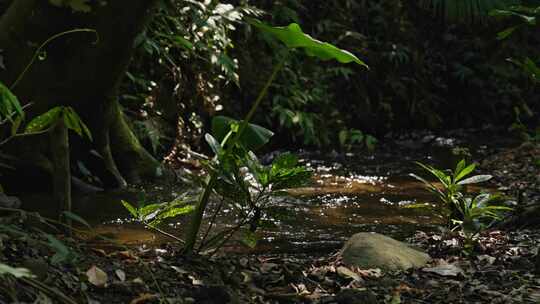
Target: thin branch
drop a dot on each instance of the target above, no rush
(9, 116)
(5, 141)
(43, 45)
(212, 222)
(165, 233)
(228, 237)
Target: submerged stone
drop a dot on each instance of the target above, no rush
(372, 250)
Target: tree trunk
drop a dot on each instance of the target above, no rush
(81, 71)
(62, 171)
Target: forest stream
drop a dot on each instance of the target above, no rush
(350, 193)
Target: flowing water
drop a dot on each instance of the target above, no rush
(350, 193)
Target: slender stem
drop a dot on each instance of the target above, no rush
(5, 141)
(242, 222)
(196, 220)
(228, 237)
(212, 222)
(258, 101)
(165, 233)
(195, 225)
(44, 44)
(9, 116)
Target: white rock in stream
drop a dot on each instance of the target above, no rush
(372, 250)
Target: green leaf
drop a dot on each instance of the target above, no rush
(343, 136)
(464, 172)
(62, 252)
(290, 178)
(425, 182)
(76, 218)
(519, 12)
(176, 211)
(44, 121)
(9, 104)
(213, 143)
(16, 272)
(131, 209)
(475, 179)
(250, 239)
(357, 136)
(70, 122)
(74, 122)
(371, 142)
(260, 172)
(254, 136)
(293, 37)
(147, 211)
(183, 42)
(231, 191)
(459, 167)
(443, 178)
(507, 32)
(284, 161)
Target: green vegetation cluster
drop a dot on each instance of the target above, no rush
(433, 65)
(429, 68)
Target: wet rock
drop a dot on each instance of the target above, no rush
(354, 296)
(373, 250)
(9, 201)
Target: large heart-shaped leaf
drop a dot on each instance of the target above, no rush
(253, 137)
(293, 37)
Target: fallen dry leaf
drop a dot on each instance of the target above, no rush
(195, 281)
(347, 273)
(120, 274)
(96, 276)
(369, 273)
(179, 269)
(100, 252)
(445, 270)
(126, 255)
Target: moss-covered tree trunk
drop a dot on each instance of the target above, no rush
(79, 70)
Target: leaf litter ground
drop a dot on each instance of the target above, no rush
(503, 268)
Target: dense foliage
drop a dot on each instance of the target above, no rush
(182, 94)
(427, 71)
